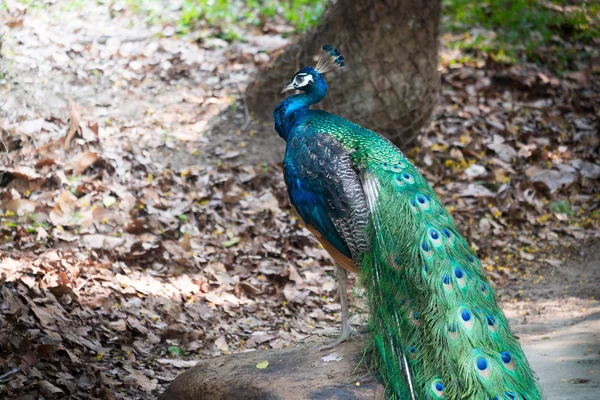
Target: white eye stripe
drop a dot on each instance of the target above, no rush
(303, 80)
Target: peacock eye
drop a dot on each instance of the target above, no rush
(299, 80)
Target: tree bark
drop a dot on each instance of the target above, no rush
(390, 81)
(302, 372)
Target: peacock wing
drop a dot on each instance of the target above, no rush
(326, 192)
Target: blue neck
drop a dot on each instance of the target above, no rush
(291, 110)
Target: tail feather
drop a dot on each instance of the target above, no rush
(437, 323)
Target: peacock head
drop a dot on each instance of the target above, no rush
(310, 79)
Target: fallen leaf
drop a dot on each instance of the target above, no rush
(48, 389)
(262, 364)
(221, 344)
(333, 357)
(504, 151)
(474, 190)
(176, 351)
(258, 338)
(31, 127)
(20, 206)
(109, 201)
(83, 161)
(587, 169)
(142, 381)
(231, 242)
(177, 363)
(553, 180)
(97, 241)
(475, 170)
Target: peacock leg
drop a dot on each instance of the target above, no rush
(347, 331)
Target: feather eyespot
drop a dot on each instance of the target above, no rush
(447, 282)
(448, 235)
(414, 317)
(437, 387)
(397, 167)
(510, 395)
(399, 181)
(435, 237)
(408, 178)
(427, 250)
(452, 331)
(508, 360)
(491, 323)
(484, 289)
(425, 269)
(482, 366)
(423, 203)
(413, 351)
(460, 277)
(413, 205)
(466, 317)
(395, 262)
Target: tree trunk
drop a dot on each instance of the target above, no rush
(390, 81)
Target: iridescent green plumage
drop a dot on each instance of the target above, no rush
(436, 324)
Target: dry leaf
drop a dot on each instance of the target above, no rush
(83, 161)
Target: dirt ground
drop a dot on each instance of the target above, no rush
(558, 323)
(166, 240)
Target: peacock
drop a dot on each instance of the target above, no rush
(436, 327)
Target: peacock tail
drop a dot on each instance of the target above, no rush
(437, 328)
(433, 311)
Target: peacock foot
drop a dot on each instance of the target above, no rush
(347, 333)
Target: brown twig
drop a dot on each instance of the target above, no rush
(9, 373)
(246, 111)
(74, 127)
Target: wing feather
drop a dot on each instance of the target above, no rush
(326, 191)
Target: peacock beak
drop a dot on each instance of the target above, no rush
(290, 86)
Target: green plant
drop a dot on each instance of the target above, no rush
(222, 14)
(527, 29)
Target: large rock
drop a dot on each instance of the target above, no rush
(300, 372)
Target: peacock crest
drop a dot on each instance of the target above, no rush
(330, 58)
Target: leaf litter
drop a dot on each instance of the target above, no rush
(120, 268)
